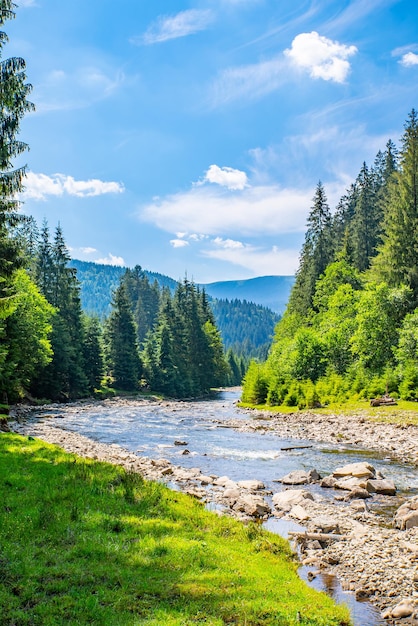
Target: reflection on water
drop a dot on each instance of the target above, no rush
(151, 429)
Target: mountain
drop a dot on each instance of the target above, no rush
(269, 291)
(241, 308)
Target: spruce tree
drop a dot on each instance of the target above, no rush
(14, 104)
(316, 253)
(123, 360)
(397, 262)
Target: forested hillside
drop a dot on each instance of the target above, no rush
(351, 326)
(271, 292)
(245, 327)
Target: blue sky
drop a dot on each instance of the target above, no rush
(189, 136)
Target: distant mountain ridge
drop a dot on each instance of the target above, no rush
(269, 291)
(241, 308)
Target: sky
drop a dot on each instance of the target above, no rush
(189, 136)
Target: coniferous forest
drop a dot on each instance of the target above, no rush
(350, 330)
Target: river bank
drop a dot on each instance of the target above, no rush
(370, 557)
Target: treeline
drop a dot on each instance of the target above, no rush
(351, 326)
(152, 339)
(246, 328)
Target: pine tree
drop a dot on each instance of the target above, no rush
(366, 222)
(93, 352)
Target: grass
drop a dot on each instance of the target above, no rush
(84, 542)
(404, 413)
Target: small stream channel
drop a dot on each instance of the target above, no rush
(151, 430)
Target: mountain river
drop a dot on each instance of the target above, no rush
(150, 429)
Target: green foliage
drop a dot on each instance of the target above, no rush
(349, 330)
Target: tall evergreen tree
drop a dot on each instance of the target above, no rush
(365, 227)
(64, 377)
(397, 261)
(14, 104)
(316, 253)
(93, 352)
(121, 346)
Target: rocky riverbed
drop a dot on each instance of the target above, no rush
(351, 534)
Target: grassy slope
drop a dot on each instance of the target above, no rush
(84, 542)
(404, 413)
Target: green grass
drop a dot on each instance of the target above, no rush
(404, 413)
(83, 542)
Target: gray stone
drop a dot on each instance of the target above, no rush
(405, 608)
(328, 482)
(285, 500)
(253, 506)
(297, 477)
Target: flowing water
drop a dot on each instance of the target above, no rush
(151, 430)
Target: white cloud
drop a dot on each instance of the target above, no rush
(111, 259)
(179, 243)
(260, 261)
(175, 26)
(226, 177)
(39, 186)
(249, 81)
(227, 244)
(409, 59)
(88, 250)
(213, 211)
(322, 57)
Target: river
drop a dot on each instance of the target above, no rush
(151, 429)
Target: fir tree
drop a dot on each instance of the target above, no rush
(121, 346)
(397, 262)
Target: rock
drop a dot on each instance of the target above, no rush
(185, 452)
(251, 485)
(358, 470)
(358, 505)
(206, 480)
(325, 525)
(349, 483)
(299, 513)
(232, 495)
(253, 506)
(406, 516)
(405, 608)
(358, 493)
(221, 481)
(287, 499)
(384, 487)
(300, 477)
(180, 443)
(297, 477)
(328, 482)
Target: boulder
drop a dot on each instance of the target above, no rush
(358, 493)
(300, 477)
(328, 482)
(251, 485)
(384, 487)
(405, 608)
(349, 482)
(406, 516)
(358, 470)
(253, 506)
(299, 513)
(285, 500)
(297, 477)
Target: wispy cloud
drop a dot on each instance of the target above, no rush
(212, 211)
(409, 59)
(63, 90)
(249, 81)
(321, 57)
(172, 27)
(356, 12)
(226, 177)
(27, 3)
(39, 186)
(260, 261)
